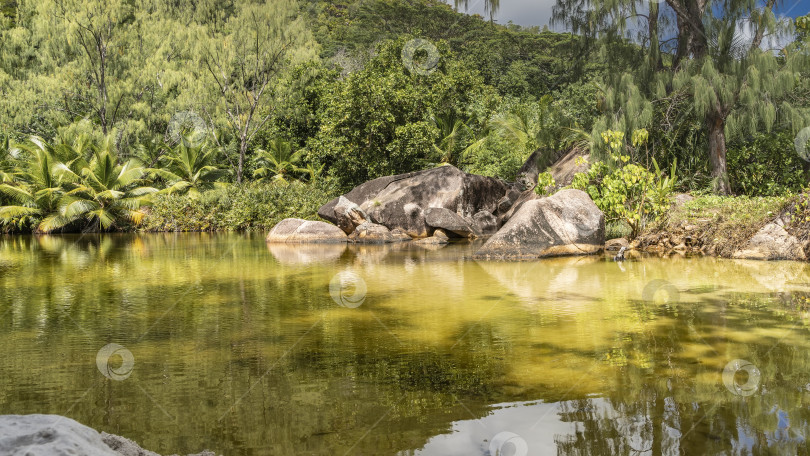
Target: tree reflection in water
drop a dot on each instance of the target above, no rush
(240, 348)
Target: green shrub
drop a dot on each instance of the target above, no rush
(767, 166)
(630, 193)
(545, 184)
(247, 207)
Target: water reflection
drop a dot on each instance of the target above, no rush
(239, 347)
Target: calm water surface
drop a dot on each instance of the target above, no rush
(229, 345)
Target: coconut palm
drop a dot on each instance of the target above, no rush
(190, 170)
(101, 196)
(279, 163)
(33, 190)
(451, 131)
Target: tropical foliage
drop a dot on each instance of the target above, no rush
(108, 107)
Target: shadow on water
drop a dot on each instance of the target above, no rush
(251, 349)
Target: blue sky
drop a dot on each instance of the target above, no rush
(538, 12)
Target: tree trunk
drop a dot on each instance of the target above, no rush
(717, 153)
(242, 151)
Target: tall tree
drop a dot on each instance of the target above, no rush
(246, 60)
(714, 55)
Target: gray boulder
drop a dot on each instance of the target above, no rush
(49, 435)
(348, 215)
(771, 242)
(485, 223)
(400, 234)
(372, 233)
(567, 223)
(126, 447)
(439, 217)
(299, 230)
(359, 194)
(54, 435)
(402, 201)
(566, 167)
(439, 238)
(505, 203)
(528, 195)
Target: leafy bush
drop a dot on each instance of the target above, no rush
(767, 166)
(256, 206)
(545, 184)
(629, 193)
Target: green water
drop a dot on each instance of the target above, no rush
(241, 349)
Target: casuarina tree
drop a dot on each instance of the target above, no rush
(732, 63)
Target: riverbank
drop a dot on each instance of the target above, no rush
(766, 228)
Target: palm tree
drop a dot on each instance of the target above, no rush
(63, 185)
(34, 190)
(190, 170)
(102, 195)
(451, 131)
(279, 163)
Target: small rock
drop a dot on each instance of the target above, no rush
(371, 233)
(772, 242)
(441, 234)
(349, 215)
(433, 240)
(400, 234)
(616, 244)
(439, 217)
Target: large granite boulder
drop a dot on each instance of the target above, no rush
(439, 217)
(567, 223)
(402, 201)
(49, 435)
(359, 194)
(304, 231)
(772, 242)
(567, 166)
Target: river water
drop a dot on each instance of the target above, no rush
(190, 341)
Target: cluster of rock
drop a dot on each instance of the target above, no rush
(771, 242)
(435, 205)
(54, 435)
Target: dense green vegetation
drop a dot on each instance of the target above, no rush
(108, 108)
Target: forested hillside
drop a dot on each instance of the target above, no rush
(110, 108)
